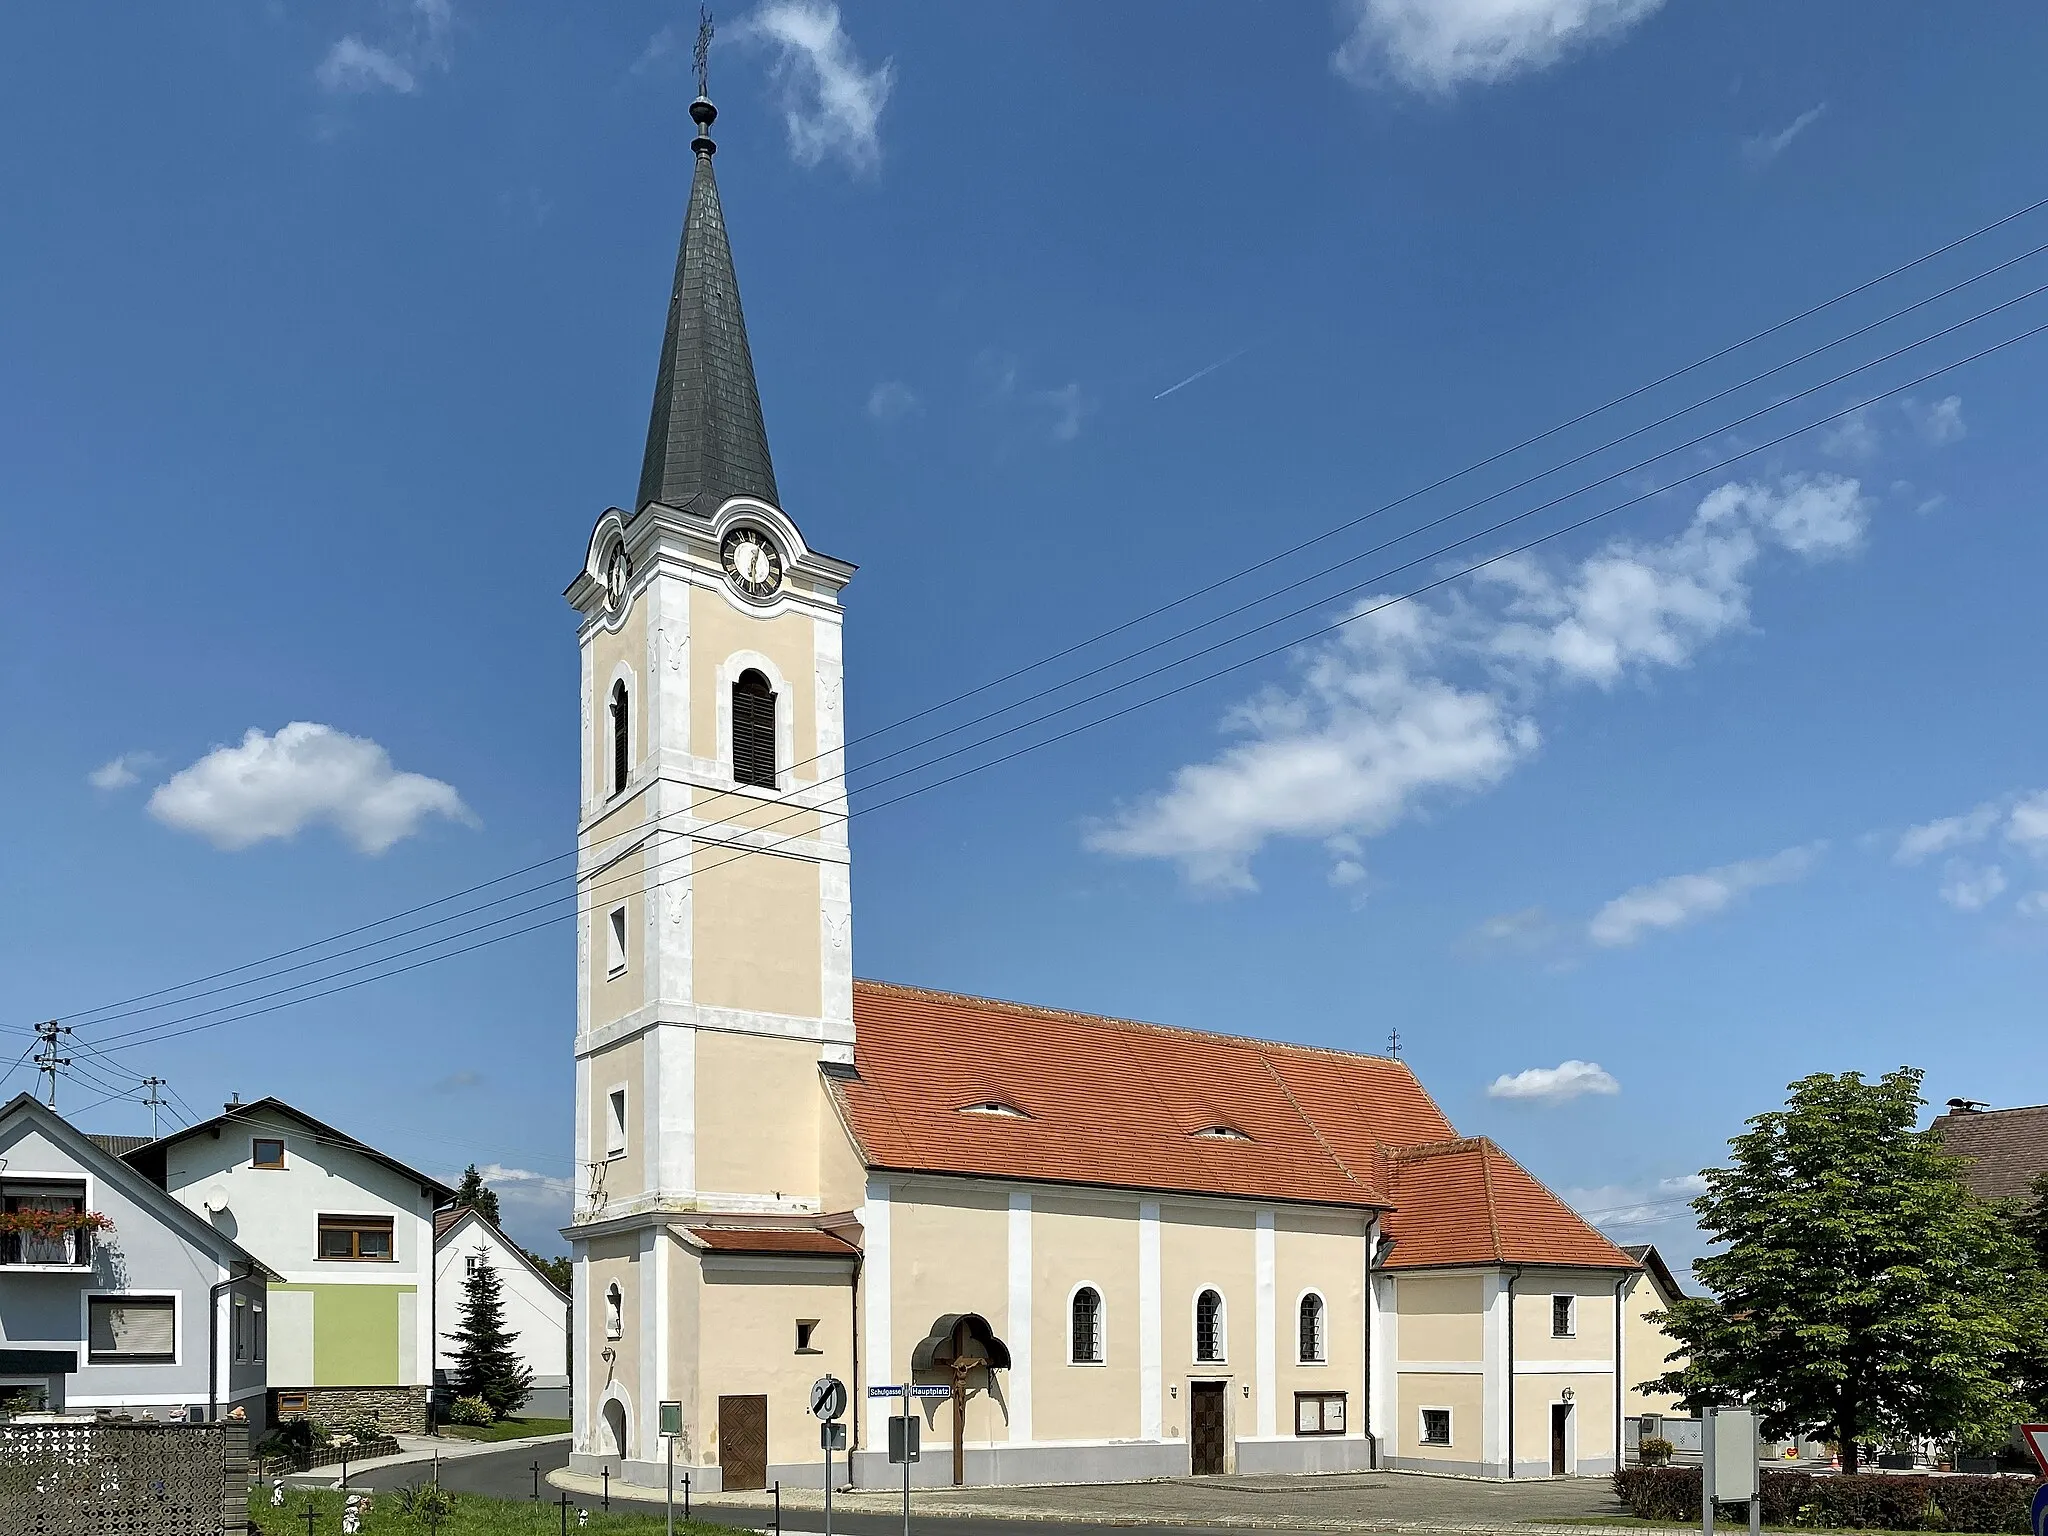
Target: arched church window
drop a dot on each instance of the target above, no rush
(1087, 1326)
(614, 1311)
(1209, 1327)
(1315, 1342)
(621, 737)
(753, 730)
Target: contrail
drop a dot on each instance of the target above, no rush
(1202, 373)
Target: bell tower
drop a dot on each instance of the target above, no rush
(713, 928)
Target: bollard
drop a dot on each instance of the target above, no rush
(536, 1482)
(778, 1507)
(607, 1471)
(686, 1495)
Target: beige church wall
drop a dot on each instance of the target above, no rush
(949, 1246)
(749, 1317)
(1592, 1429)
(1464, 1394)
(617, 1065)
(842, 1173)
(613, 997)
(741, 1150)
(1593, 1336)
(788, 823)
(755, 935)
(685, 1382)
(624, 817)
(613, 1259)
(1442, 1317)
(1314, 1250)
(607, 650)
(1207, 1246)
(717, 630)
(1644, 1346)
(1081, 1240)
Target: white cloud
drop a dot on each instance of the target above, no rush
(272, 786)
(1681, 899)
(1069, 405)
(1854, 437)
(124, 772)
(660, 48)
(2027, 826)
(2033, 904)
(892, 401)
(1939, 422)
(1437, 45)
(1971, 888)
(354, 67)
(1560, 1084)
(1933, 837)
(524, 1183)
(1619, 1206)
(1762, 148)
(831, 103)
(1412, 702)
(1528, 930)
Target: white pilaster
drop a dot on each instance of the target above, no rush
(1018, 1326)
(1151, 1382)
(883, 1367)
(579, 1348)
(1374, 1420)
(1494, 1364)
(1386, 1352)
(653, 1326)
(1266, 1323)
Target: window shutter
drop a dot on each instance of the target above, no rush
(129, 1328)
(753, 731)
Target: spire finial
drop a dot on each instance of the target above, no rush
(702, 113)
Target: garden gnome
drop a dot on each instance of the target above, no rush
(352, 1515)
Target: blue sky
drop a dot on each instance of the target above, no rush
(327, 331)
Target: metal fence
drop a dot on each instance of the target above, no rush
(87, 1478)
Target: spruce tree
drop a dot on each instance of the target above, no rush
(486, 1365)
(478, 1196)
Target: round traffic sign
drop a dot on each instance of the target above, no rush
(828, 1398)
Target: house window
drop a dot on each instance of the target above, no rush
(615, 1129)
(291, 1402)
(62, 1249)
(806, 1331)
(241, 1329)
(259, 1332)
(1564, 1321)
(1209, 1328)
(621, 737)
(615, 942)
(614, 1311)
(365, 1239)
(469, 1263)
(1087, 1333)
(1319, 1413)
(133, 1330)
(753, 730)
(266, 1152)
(1436, 1426)
(1314, 1331)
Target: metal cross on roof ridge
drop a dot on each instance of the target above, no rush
(704, 31)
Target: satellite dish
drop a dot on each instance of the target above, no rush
(215, 1199)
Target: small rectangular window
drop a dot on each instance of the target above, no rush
(363, 1239)
(266, 1152)
(291, 1402)
(615, 1132)
(1563, 1322)
(615, 942)
(1436, 1426)
(1319, 1413)
(241, 1330)
(260, 1334)
(133, 1330)
(806, 1331)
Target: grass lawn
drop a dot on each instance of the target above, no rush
(1736, 1525)
(505, 1429)
(474, 1515)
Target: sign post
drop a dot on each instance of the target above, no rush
(828, 1402)
(671, 1422)
(2036, 1436)
(906, 1432)
(1728, 1470)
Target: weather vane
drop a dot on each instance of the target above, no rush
(704, 31)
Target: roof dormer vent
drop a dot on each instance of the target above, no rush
(1222, 1133)
(1000, 1108)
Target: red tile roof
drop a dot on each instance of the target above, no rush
(773, 1240)
(1112, 1102)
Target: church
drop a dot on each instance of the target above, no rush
(1111, 1249)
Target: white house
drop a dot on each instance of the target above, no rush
(536, 1310)
(348, 1231)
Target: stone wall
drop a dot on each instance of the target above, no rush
(402, 1410)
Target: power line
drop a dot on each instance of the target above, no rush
(1240, 574)
(828, 814)
(163, 1031)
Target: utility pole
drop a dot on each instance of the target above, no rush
(47, 1061)
(154, 1103)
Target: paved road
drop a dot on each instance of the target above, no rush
(502, 1474)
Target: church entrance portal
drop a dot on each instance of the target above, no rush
(615, 1429)
(1205, 1428)
(742, 1442)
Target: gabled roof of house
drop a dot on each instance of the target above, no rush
(447, 1222)
(150, 1156)
(105, 1165)
(2007, 1148)
(944, 1083)
(1646, 1254)
(120, 1146)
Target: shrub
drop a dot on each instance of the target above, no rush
(1985, 1503)
(1869, 1501)
(363, 1426)
(426, 1501)
(470, 1410)
(1660, 1493)
(1655, 1451)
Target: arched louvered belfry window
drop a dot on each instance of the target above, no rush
(622, 736)
(1087, 1326)
(1209, 1327)
(753, 730)
(1315, 1344)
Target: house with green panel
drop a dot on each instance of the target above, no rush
(349, 1233)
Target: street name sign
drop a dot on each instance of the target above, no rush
(919, 1389)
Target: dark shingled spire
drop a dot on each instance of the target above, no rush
(706, 439)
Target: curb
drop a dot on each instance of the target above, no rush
(330, 1477)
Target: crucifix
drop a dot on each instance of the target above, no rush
(964, 1365)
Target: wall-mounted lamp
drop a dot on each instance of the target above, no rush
(610, 1355)
(1567, 1394)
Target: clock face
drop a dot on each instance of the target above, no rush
(751, 562)
(616, 572)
